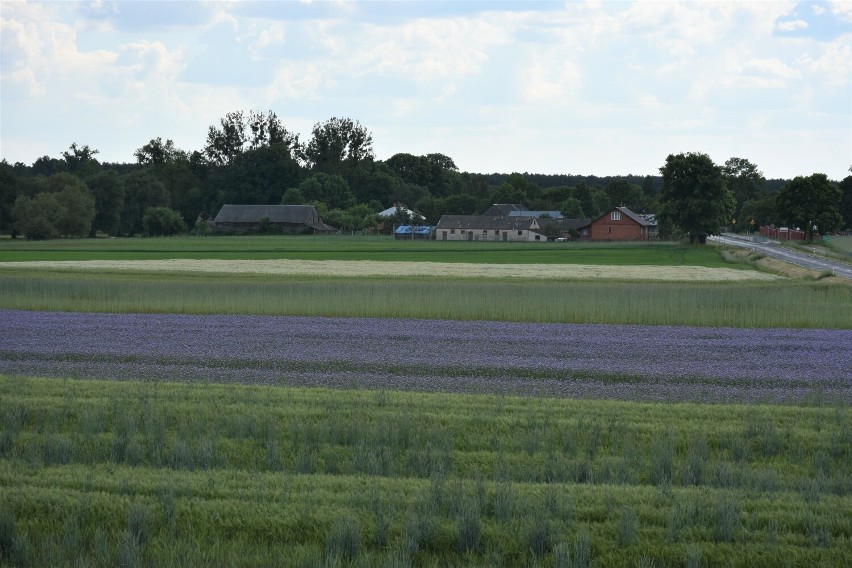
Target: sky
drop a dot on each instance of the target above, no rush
(580, 88)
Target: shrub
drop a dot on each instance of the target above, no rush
(162, 221)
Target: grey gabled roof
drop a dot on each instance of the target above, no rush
(503, 209)
(539, 214)
(576, 224)
(305, 214)
(487, 222)
(642, 221)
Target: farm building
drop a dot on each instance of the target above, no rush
(291, 219)
(488, 228)
(622, 224)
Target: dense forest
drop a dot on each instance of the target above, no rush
(251, 158)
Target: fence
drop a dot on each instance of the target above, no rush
(783, 233)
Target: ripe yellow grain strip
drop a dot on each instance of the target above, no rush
(369, 268)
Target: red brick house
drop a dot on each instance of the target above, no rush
(622, 224)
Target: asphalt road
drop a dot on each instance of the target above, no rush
(772, 249)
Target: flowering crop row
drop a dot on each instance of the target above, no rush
(628, 362)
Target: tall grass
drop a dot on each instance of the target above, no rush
(482, 500)
(782, 304)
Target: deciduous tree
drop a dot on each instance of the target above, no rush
(162, 222)
(238, 132)
(8, 194)
(744, 181)
(142, 190)
(65, 207)
(158, 152)
(108, 191)
(81, 160)
(811, 203)
(36, 217)
(695, 196)
(846, 201)
(337, 141)
(330, 189)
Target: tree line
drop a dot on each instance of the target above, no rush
(252, 158)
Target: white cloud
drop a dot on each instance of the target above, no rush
(834, 64)
(38, 51)
(425, 50)
(792, 25)
(641, 80)
(551, 79)
(270, 35)
(299, 81)
(773, 67)
(842, 9)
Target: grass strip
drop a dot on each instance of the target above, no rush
(741, 304)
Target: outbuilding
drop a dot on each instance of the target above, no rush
(487, 228)
(291, 219)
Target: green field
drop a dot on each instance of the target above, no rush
(740, 304)
(134, 474)
(360, 248)
(124, 473)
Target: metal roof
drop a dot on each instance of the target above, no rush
(304, 214)
(551, 214)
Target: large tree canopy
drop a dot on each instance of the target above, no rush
(238, 132)
(338, 140)
(250, 158)
(108, 191)
(332, 190)
(744, 180)
(81, 160)
(158, 152)
(64, 207)
(811, 203)
(846, 201)
(695, 196)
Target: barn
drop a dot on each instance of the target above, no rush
(291, 219)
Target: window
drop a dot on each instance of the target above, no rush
(463, 231)
(484, 231)
(609, 230)
(615, 216)
(520, 233)
(452, 231)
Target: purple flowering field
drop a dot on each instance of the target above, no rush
(626, 362)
